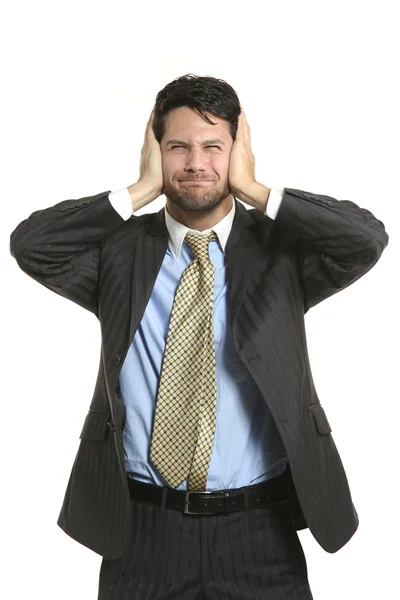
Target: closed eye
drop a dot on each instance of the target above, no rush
(172, 147)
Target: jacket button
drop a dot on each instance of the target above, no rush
(117, 359)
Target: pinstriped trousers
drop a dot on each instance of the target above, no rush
(244, 555)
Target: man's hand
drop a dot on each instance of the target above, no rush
(241, 174)
(151, 180)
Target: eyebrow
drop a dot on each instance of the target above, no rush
(205, 142)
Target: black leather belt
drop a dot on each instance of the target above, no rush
(260, 495)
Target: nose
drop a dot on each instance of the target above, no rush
(195, 161)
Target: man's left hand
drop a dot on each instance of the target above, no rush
(241, 174)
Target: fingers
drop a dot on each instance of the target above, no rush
(243, 133)
(150, 121)
(149, 127)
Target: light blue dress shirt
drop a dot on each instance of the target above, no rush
(247, 447)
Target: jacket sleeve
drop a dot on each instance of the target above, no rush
(60, 246)
(338, 241)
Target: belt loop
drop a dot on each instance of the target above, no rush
(246, 499)
(163, 499)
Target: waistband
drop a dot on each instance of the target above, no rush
(271, 491)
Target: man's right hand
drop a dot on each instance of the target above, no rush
(150, 183)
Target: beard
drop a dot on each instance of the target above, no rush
(197, 198)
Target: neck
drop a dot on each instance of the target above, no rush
(200, 220)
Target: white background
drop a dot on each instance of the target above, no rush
(319, 85)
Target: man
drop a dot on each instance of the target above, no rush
(206, 446)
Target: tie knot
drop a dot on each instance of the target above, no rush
(199, 244)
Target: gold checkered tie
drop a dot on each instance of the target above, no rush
(186, 410)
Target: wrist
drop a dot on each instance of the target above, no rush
(141, 193)
(256, 195)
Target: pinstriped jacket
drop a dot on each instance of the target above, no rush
(278, 269)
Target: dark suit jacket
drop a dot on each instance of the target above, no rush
(277, 269)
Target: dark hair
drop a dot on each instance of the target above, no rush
(203, 94)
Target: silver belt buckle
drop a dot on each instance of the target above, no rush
(186, 510)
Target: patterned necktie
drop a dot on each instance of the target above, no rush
(186, 409)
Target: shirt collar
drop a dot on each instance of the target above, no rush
(177, 231)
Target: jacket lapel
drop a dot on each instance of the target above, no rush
(242, 254)
(149, 254)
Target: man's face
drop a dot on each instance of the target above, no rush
(194, 154)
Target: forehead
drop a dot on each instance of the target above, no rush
(186, 123)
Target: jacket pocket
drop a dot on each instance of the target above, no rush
(95, 427)
(320, 419)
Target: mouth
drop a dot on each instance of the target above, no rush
(196, 181)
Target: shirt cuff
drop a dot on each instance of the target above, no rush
(121, 202)
(273, 203)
